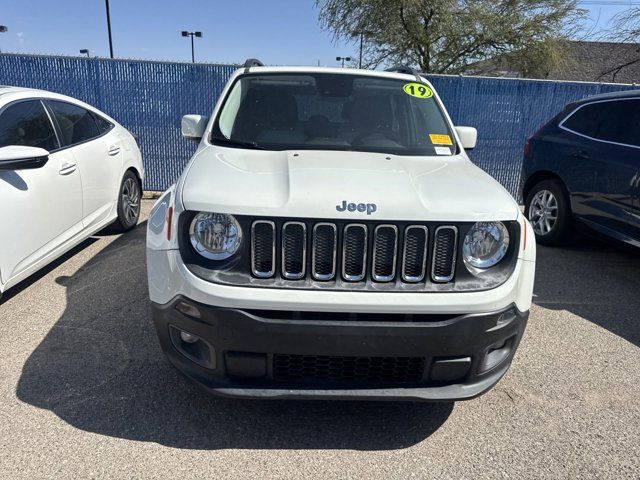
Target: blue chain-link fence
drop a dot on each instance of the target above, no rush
(149, 98)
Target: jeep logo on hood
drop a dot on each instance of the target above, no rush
(360, 207)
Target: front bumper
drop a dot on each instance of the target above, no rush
(239, 352)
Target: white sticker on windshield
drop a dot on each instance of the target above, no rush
(443, 150)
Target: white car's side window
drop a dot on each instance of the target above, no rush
(76, 124)
(26, 123)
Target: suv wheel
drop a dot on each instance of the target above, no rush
(128, 203)
(547, 208)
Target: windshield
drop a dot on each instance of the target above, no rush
(331, 111)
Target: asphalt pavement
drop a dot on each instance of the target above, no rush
(85, 391)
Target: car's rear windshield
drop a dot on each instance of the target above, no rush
(332, 111)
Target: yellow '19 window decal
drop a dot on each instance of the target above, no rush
(417, 90)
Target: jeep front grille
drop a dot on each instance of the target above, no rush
(444, 254)
(385, 253)
(324, 255)
(352, 252)
(414, 255)
(263, 248)
(294, 250)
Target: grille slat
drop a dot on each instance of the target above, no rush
(354, 252)
(444, 254)
(414, 255)
(353, 369)
(323, 257)
(294, 250)
(263, 248)
(345, 248)
(385, 253)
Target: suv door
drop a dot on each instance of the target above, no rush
(99, 159)
(605, 155)
(41, 208)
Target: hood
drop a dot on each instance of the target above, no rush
(323, 184)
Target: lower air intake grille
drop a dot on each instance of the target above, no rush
(365, 369)
(444, 254)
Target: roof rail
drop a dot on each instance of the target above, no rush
(252, 62)
(405, 69)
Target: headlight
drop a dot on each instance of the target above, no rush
(485, 244)
(216, 236)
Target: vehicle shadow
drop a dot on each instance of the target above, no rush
(594, 279)
(34, 277)
(100, 369)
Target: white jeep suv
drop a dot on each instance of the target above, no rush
(331, 239)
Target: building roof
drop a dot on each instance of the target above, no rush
(607, 62)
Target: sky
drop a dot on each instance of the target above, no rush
(278, 32)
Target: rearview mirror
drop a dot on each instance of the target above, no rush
(193, 126)
(468, 137)
(18, 157)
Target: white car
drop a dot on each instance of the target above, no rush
(331, 239)
(67, 171)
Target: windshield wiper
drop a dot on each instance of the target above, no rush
(236, 143)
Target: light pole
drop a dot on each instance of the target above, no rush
(3, 29)
(359, 34)
(192, 34)
(338, 59)
(84, 51)
(109, 28)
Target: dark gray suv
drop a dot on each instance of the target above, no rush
(584, 165)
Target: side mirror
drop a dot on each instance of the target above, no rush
(468, 137)
(193, 126)
(17, 157)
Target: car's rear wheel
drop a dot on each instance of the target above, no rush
(128, 203)
(547, 208)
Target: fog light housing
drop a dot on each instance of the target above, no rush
(496, 355)
(193, 347)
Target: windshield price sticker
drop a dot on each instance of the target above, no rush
(417, 90)
(438, 139)
(442, 150)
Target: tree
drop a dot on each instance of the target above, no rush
(446, 36)
(626, 26)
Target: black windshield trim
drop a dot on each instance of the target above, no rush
(227, 142)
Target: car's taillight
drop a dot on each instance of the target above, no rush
(527, 146)
(169, 221)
